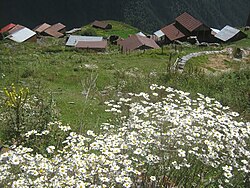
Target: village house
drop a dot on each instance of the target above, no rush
(137, 42)
(74, 39)
(190, 26)
(230, 34)
(15, 29)
(23, 35)
(92, 45)
(57, 30)
(101, 25)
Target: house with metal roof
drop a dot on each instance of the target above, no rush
(74, 39)
(137, 42)
(230, 34)
(191, 26)
(57, 30)
(101, 25)
(92, 45)
(23, 35)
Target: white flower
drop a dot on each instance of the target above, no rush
(50, 149)
(152, 178)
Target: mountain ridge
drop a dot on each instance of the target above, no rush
(147, 15)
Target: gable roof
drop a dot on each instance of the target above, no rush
(172, 33)
(55, 29)
(22, 35)
(7, 28)
(136, 41)
(100, 24)
(227, 33)
(188, 21)
(73, 39)
(16, 28)
(92, 44)
(41, 28)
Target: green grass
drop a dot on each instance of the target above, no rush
(118, 28)
(56, 70)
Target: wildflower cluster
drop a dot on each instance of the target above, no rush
(160, 138)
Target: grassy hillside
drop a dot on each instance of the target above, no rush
(118, 28)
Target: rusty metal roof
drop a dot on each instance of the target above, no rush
(172, 33)
(16, 28)
(188, 21)
(7, 27)
(92, 44)
(100, 24)
(41, 28)
(135, 41)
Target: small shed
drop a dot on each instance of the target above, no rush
(23, 35)
(92, 45)
(101, 25)
(74, 39)
(137, 42)
(41, 28)
(230, 34)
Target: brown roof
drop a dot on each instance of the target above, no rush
(53, 33)
(172, 33)
(55, 29)
(92, 44)
(16, 28)
(100, 24)
(135, 41)
(41, 28)
(188, 21)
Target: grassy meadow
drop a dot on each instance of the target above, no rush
(80, 83)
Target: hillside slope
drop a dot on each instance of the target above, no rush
(148, 15)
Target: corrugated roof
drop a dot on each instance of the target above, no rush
(135, 41)
(92, 44)
(188, 21)
(227, 33)
(41, 28)
(73, 39)
(22, 35)
(159, 34)
(100, 24)
(172, 33)
(7, 27)
(16, 28)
